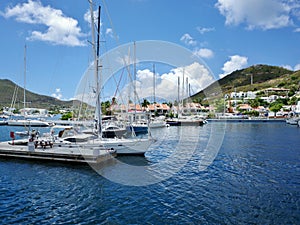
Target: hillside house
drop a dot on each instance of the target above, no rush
(243, 95)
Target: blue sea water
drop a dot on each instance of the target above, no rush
(254, 179)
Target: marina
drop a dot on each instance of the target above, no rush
(100, 131)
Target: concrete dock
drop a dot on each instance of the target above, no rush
(75, 154)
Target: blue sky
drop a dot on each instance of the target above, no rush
(226, 34)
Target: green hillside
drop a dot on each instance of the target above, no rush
(7, 89)
(263, 76)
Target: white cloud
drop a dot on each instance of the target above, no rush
(61, 30)
(188, 40)
(289, 67)
(87, 17)
(264, 14)
(236, 62)
(198, 75)
(57, 94)
(297, 29)
(204, 53)
(297, 67)
(203, 30)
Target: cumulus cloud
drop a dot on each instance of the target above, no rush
(57, 93)
(289, 67)
(236, 62)
(166, 88)
(87, 17)
(61, 30)
(203, 30)
(266, 14)
(297, 67)
(188, 40)
(204, 53)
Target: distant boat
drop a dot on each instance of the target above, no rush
(3, 122)
(138, 127)
(22, 133)
(109, 130)
(157, 123)
(185, 122)
(293, 120)
(27, 122)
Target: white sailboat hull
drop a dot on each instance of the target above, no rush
(157, 124)
(137, 147)
(126, 146)
(34, 123)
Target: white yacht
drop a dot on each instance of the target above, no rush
(27, 122)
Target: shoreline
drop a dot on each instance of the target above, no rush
(258, 120)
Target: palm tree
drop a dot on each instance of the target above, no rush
(145, 104)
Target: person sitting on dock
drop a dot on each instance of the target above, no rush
(33, 135)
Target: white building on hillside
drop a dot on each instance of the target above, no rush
(242, 95)
(297, 108)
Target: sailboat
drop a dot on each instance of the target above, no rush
(26, 122)
(184, 120)
(154, 122)
(122, 146)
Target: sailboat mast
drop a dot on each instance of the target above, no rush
(154, 84)
(182, 90)
(134, 77)
(100, 77)
(24, 95)
(98, 32)
(178, 95)
(96, 69)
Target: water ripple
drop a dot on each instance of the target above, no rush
(255, 179)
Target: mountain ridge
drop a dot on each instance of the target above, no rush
(8, 87)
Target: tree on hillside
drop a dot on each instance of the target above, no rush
(275, 107)
(67, 116)
(293, 100)
(254, 103)
(220, 105)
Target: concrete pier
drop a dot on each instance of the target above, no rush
(75, 154)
